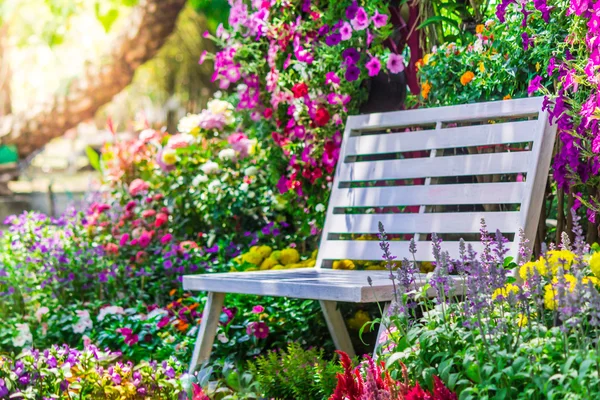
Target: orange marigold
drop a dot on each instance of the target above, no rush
(479, 28)
(467, 77)
(419, 63)
(425, 89)
(507, 97)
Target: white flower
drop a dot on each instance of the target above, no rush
(209, 167)
(320, 208)
(200, 178)
(147, 134)
(214, 185)
(478, 46)
(251, 195)
(216, 106)
(111, 310)
(157, 312)
(84, 321)
(244, 187)
(227, 154)
(24, 335)
(188, 123)
(251, 171)
(222, 338)
(41, 312)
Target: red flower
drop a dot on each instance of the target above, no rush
(268, 113)
(258, 329)
(322, 117)
(161, 219)
(300, 90)
(111, 248)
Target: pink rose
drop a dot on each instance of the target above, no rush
(138, 186)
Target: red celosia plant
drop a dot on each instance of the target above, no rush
(378, 385)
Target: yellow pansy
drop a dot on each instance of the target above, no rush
(289, 256)
(595, 264)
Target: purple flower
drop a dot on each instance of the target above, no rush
(350, 56)
(395, 63)
(361, 21)
(331, 77)
(379, 20)
(534, 85)
(333, 39)
(352, 10)
(578, 7)
(373, 66)
(346, 31)
(527, 41)
(352, 73)
(551, 65)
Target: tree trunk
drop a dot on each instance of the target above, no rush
(147, 28)
(5, 98)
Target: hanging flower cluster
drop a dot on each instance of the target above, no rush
(297, 67)
(573, 103)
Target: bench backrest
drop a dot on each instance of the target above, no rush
(438, 170)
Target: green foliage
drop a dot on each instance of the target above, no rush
(294, 373)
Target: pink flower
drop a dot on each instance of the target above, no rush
(148, 213)
(361, 20)
(161, 219)
(144, 239)
(258, 309)
(331, 77)
(166, 238)
(379, 20)
(346, 31)
(138, 186)
(258, 329)
(202, 57)
(124, 239)
(179, 141)
(130, 338)
(395, 63)
(163, 322)
(373, 66)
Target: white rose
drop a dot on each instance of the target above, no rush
(213, 186)
(227, 154)
(188, 123)
(200, 178)
(244, 187)
(251, 171)
(209, 167)
(320, 207)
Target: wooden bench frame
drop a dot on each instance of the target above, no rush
(521, 121)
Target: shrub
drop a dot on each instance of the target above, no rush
(294, 373)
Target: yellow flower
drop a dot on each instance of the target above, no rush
(426, 59)
(375, 267)
(527, 270)
(522, 320)
(560, 258)
(507, 97)
(537, 66)
(344, 264)
(505, 291)
(549, 297)
(169, 157)
(481, 67)
(314, 254)
(426, 267)
(252, 257)
(264, 251)
(278, 266)
(358, 320)
(308, 263)
(289, 256)
(466, 78)
(595, 264)
(275, 255)
(591, 279)
(268, 263)
(479, 28)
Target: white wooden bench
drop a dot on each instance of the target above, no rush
(444, 206)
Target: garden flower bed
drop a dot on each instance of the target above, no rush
(91, 304)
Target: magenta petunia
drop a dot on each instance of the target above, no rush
(257, 309)
(373, 66)
(379, 20)
(534, 85)
(395, 63)
(331, 77)
(361, 20)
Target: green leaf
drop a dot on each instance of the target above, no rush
(94, 158)
(106, 19)
(438, 19)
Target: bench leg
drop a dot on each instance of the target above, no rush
(385, 324)
(337, 327)
(207, 330)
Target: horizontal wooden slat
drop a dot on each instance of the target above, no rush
(477, 164)
(463, 193)
(370, 250)
(310, 283)
(424, 116)
(466, 222)
(510, 132)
